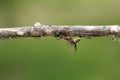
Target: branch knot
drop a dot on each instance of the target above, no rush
(36, 30)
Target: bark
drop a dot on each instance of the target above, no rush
(40, 30)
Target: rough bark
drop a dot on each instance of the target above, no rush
(40, 30)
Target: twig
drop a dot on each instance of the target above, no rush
(40, 30)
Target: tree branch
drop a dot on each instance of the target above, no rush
(40, 30)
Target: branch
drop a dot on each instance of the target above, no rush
(40, 30)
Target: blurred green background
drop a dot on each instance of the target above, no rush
(51, 59)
